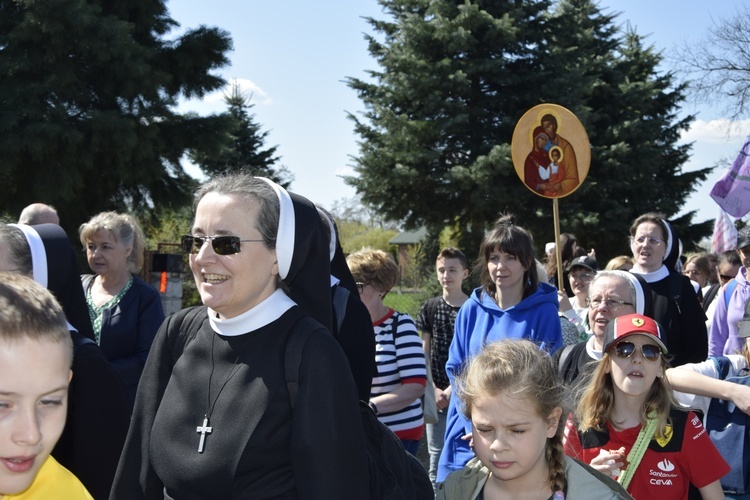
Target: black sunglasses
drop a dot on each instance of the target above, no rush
(222, 245)
(626, 349)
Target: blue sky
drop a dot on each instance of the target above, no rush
(294, 56)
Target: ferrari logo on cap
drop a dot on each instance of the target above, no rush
(638, 322)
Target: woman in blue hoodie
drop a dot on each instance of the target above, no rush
(511, 303)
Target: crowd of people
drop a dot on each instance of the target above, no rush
(588, 381)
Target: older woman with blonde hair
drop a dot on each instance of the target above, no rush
(401, 374)
(125, 311)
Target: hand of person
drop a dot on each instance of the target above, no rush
(741, 397)
(470, 438)
(592, 254)
(565, 304)
(609, 461)
(442, 399)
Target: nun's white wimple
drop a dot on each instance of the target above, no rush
(285, 233)
(640, 299)
(670, 237)
(38, 254)
(332, 239)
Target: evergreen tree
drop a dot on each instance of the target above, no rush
(455, 78)
(88, 91)
(242, 147)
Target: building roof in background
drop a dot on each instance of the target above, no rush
(409, 237)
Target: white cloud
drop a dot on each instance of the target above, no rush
(214, 102)
(719, 131)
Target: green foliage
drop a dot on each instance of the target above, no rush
(355, 235)
(242, 145)
(88, 91)
(455, 76)
(406, 302)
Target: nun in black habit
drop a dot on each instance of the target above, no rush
(354, 334)
(213, 416)
(98, 414)
(655, 247)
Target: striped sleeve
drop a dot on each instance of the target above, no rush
(400, 360)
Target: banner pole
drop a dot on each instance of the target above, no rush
(558, 249)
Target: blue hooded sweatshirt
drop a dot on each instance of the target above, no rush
(480, 321)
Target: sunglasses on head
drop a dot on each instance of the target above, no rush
(222, 245)
(650, 352)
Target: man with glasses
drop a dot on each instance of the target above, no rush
(611, 294)
(723, 338)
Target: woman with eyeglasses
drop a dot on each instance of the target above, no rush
(627, 423)
(611, 294)
(655, 249)
(223, 409)
(125, 311)
(400, 363)
(510, 303)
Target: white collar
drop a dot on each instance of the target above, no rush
(654, 276)
(268, 311)
(591, 351)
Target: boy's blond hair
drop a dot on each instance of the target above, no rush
(30, 311)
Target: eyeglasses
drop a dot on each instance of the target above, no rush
(650, 352)
(725, 277)
(643, 239)
(360, 286)
(691, 272)
(611, 304)
(582, 276)
(222, 245)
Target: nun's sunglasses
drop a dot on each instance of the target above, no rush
(222, 245)
(626, 349)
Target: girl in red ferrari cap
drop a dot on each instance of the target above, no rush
(628, 425)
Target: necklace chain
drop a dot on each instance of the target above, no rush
(205, 429)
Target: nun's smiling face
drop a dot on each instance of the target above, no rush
(232, 284)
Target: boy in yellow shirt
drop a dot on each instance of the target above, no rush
(35, 359)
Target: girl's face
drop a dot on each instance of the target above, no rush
(510, 439)
(695, 274)
(633, 376)
(541, 141)
(506, 272)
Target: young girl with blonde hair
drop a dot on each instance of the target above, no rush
(510, 393)
(629, 426)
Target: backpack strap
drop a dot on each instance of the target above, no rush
(564, 355)
(729, 290)
(292, 361)
(675, 289)
(196, 314)
(340, 299)
(722, 365)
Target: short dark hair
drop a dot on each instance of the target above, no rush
(453, 253)
(730, 257)
(19, 251)
(513, 240)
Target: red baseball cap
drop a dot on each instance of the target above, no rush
(633, 324)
